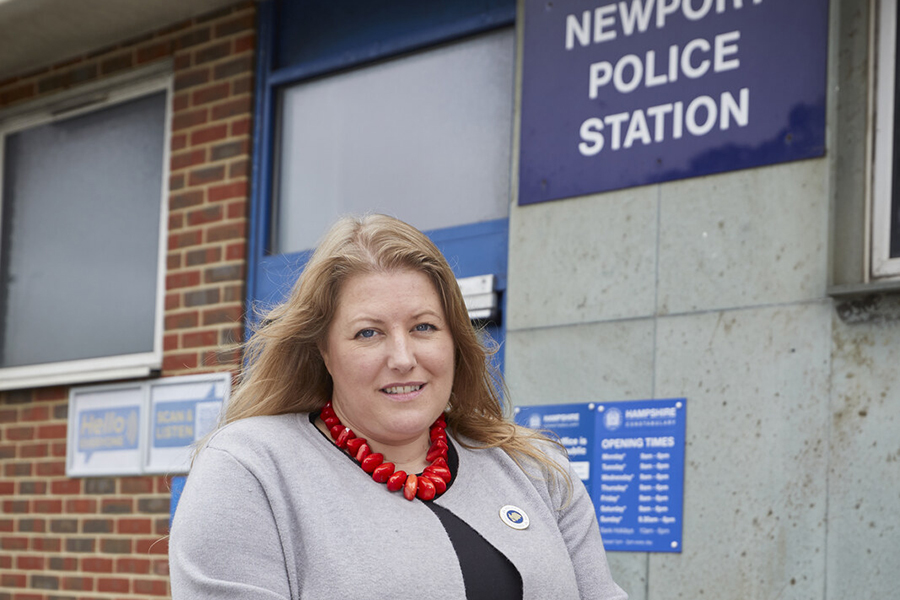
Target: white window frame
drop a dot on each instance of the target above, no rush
(87, 99)
(885, 34)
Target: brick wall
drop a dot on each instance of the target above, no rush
(96, 538)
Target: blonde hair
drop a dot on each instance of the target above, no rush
(284, 371)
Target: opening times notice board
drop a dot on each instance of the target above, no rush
(630, 456)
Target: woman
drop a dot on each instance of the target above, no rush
(365, 453)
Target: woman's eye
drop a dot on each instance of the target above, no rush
(365, 333)
(425, 327)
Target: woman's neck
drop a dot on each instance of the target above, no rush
(407, 456)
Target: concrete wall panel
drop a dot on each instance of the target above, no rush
(756, 457)
(744, 238)
(864, 474)
(583, 260)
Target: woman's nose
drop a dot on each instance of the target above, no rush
(401, 355)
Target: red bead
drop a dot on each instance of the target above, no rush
(327, 412)
(441, 472)
(409, 490)
(437, 433)
(362, 452)
(331, 422)
(426, 489)
(439, 443)
(336, 430)
(440, 485)
(371, 461)
(440, 462)
(396, 481)
(441, 421)
(383, 472)
(354, 444)
(435, 454)
(345, 436)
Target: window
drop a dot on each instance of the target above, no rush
(391, 106)
(81, 265)
(885, 211)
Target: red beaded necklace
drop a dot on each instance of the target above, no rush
(431, 483)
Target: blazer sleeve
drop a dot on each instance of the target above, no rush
(578, 525)
(225, 542)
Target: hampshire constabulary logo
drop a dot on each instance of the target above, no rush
(514, 516)
(612, 419)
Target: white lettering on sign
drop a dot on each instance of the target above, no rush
(603, 24)
(693, 61)
(670, 120)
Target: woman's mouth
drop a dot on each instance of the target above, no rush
(401, 389)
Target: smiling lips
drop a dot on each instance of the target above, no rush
(402, 389)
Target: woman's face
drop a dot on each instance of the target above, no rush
(390, 354)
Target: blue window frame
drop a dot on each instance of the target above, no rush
(302, 41)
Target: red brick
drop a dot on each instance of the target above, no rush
(154, 52)
(238, 66)
(176, 221)
(209, 134)
(200, 338)
(188, 79)
(181, 102)
(236, 25)
(188, 159)
(10, 415)
(51, 393)
(14, 580)
(241, 127)
(182, 320)
(13, 507)
(6, 525)
(30, 563)
(209, 214)
(137, 485)
(229, 314)
(212, 93)
(151, 587)
(134, 526)
(47, 545)
(133, 565)
(235, 251)
(51, 432)
(113, 585)
(152, 546)
(78, 584)
(182, 280)
(7, 488)
(185, 240)
(81, 505)
(184, 120)
(97, 565)
(244, 43)
(34, 450)
(230, 231)
(232, 108)
(9, 451)
(56, 468)
(117, 63)
(213, 52)
(179, 142)
(18, 434)
(203, 256)
(186, 200)
(207, 175)
(242, 85)
(176, 182)
(237, 189)
(179, 362)
(35, 413)
(13, 543)
(170, 342)
(237, 210)
(50, 507)
(58, 449)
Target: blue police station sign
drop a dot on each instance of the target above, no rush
(624, 93)
(630, 456)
